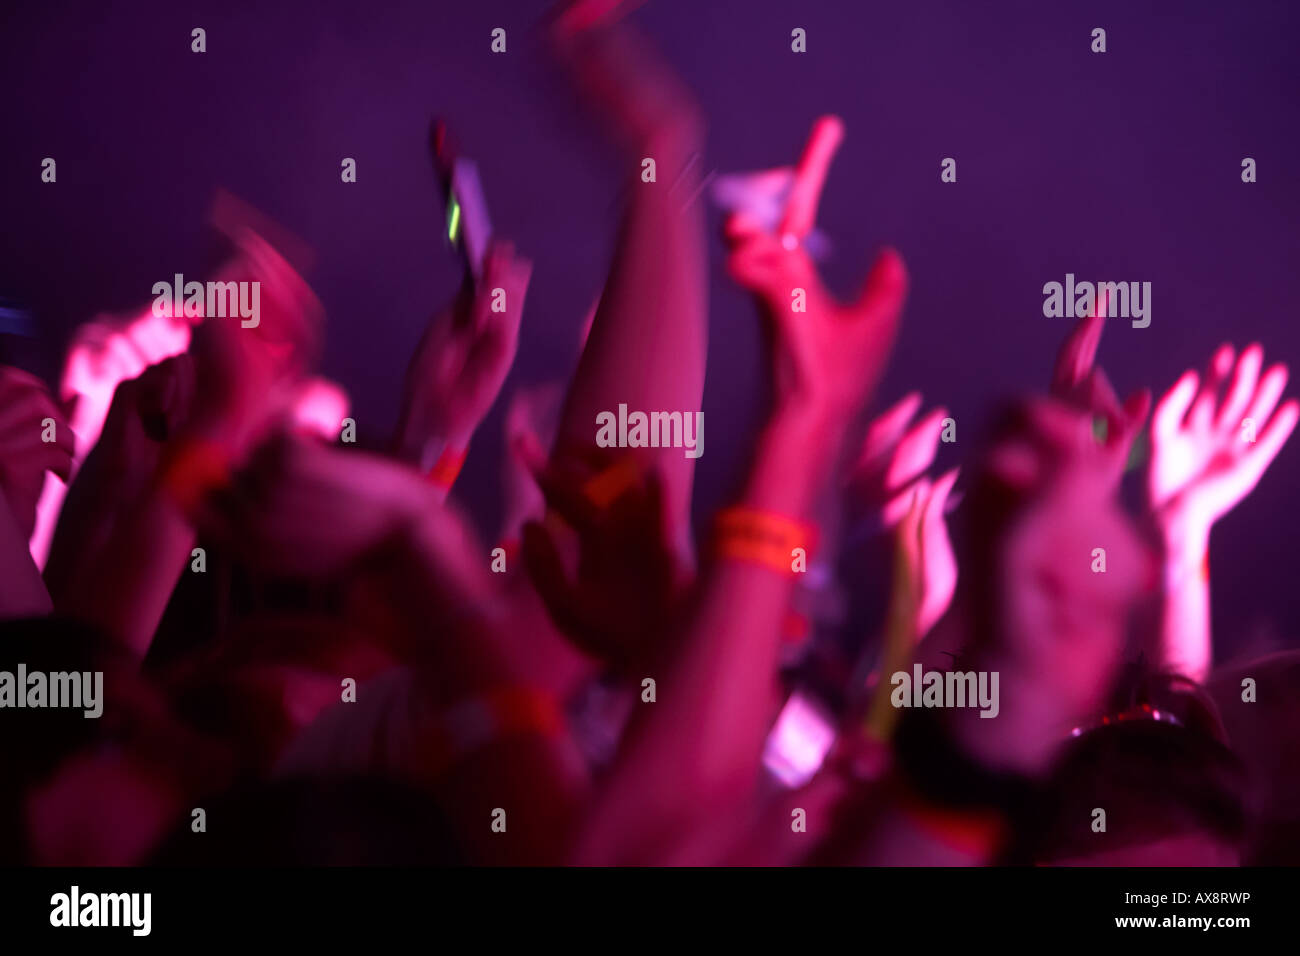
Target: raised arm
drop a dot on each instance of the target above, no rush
(695, 752)
(1203, 463)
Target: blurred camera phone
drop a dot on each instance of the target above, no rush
(469, 228)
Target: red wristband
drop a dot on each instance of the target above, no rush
(447, 468)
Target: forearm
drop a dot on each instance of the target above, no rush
(699, 745)
(649, 339)
(124, 585)
(1185, 644)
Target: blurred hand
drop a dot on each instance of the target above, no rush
(102, 355)
(531, 421)
(249, 380)
(617, 602)
(1052, 623)
(147, 412)
(890, 475)
(830, 356)
(303, 509)
(25, 456)
(1205, 461)
(462, 361)
(1079, 383)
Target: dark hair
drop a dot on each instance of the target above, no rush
(1155, 778)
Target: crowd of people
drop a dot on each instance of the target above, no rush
(310, 655)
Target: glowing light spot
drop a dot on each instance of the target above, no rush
(453, 220)
(799, 741)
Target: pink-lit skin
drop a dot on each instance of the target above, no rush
(320, 408)
(119, 566)
(27, 461)
(100, 358)
(103, 356)
(890, 470)
(462, 361)
(531, 420)
(1056, 630)
(1202, 465)
(689, 761)
(799, 742)
(326, 509)
(649, 333)
(817, 344)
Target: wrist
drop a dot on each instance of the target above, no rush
(795, 452)
(1184, 547)
(812, 415)
(1180, 532)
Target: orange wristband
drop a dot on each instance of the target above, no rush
(761, 537)
(447, 468)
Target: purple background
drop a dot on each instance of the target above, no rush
(1122, 166)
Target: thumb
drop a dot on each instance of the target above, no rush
(885, 287)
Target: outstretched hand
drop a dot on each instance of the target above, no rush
(890, 475)
(1080, 383)
(1206, 460)
(829, 354)
(462, 361)
(617, 602)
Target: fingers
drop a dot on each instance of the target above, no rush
(1269, 392)
(885, 287)
(158, 338)
(506, 271)
(1055, 425)
(884, 432)
(759, 197)
(897, 507)
(12, 378)
(1101, 397)
(939, 580)
(1078, 353)
(123, 357)
(58, 460)
(761, 264)
(1271, 441)
(27, 405)
(29, 450)
(740, 226)
(1241, 389)
(1168, 417)
(28, 414)
(1201, 418)
(810, 176)
(934, 509)
(546, 569)
(916, 450)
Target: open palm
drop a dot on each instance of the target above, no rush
(1206, 460)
